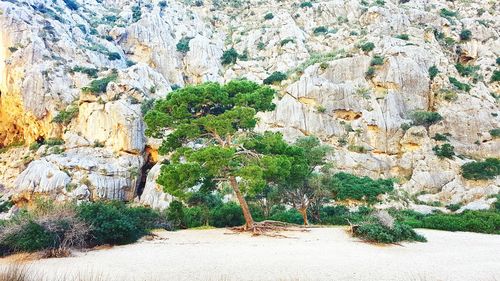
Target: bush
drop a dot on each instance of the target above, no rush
(71, 4)
(136, 13)
(405, 37)
(447, 13)
(99, 85)
(367, 47)
(471, 221)
(286, 41)
(280, 213)
(377, 60)
(229, 56)
(496, 76)
(466, 70)
(114, 56)
(320, 30)
(433, 72)
(376, 232)
(346, 186)
(440, 137)
(465, 35)
(228, 214)
(65, 116)
(425, 118)
(481, 170)
(459, 85)
(306, 4)
(29, 237)
(116, 224)
(495, 133)
(370, 73)
(183, 44)
(269, 16)
(453, 207)
(275, 77)
(444, 151)
(91, 72)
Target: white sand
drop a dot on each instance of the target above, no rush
(321, 254)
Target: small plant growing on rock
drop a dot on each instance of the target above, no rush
(306, 4)
(495, 133)
(91, 72)
(65, 116)
(114, 56)
(447, 13)
(269, 16)
(136, 13)
(320, 30)
(481, 170)
(425, 118)
(229, 57)
(321, 109)
(377, 60)
(496, 76)
(433, 72)
(465, 35)
(99, 85)
(183, 44)
(444, 151)
(367, 46)
(459, 85)
(466, 70)
(275, 77)
(440, 137)
(370, 73)
(405, 37)
(71, 4)
(286, 41)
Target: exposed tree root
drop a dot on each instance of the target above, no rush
(270, 228)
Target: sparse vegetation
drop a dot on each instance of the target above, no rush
(495, 133)
(481, 170)
(377, 60)
(425, 118)
(306, 4)
(496, 76)
(444, 151)
(91, 72)
(286, 41)
(465, 35)
(269, 16)
(275, 77)
(99, 86)
(405, 37)
(459, 85)
(229, 57)
(183, 44)
(433, 72)
(320, 30)
(367, 46)
(65, 116)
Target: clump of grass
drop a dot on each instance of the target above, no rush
(65, 116)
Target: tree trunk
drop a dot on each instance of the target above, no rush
(243, 203)
(303, 212)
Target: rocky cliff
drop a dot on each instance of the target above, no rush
(77, 75)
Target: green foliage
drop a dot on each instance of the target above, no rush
(286, 41)
(481, 170)
(466, 70)
(280, 213)
(425, 118)
(447, 13)
(269, 16)
(405, 37)
(147, 105)
(472, 221)
(320, 30)
(376, 232)
(495, 133)
(229, 56)
(115, 223)
(71, 4)
(261, 46)
(367, 46)
(228, 214)
(496, 76)
(444, 151)
(370, 73)
(453, 207)
(275, 77)
(459, 85)
(465, 35)
(99, 86)
(433, 72)
(65, 116)
(377, 60)
(346, 186)
(306, 4)
(440, 137)
(91, 72)
(30, 237)
(380, 3)
(114, 56)
(136, 13)
(183, 44)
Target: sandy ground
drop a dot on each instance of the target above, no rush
(321, 254)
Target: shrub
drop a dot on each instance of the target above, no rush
(115, 223)
(320, 30)
(183, 44)
(114, 56)
(453, 207)
(261, 46)
(380, 3)
(130, 63)
(65, 116)
(447, 13)
(275, 77)
(481, 170)
(465, 35)
(444, 151)
(175, 215)
(229, 56)
(433, 72)
(370, 73)
(321, 109)
(99, 85)
(306, 4)
(381, 227)
(280, 213)
(286, 41)
(228, 214)
(136, 13)
(71, 4)
(440, 137)
(346, 186)
(425, 118)
(162, 4)
(496, 76)
(466, 70)
(405, 37)
(472, 221)
(147, 105)
(377, 60)
(367, 47)
(29, 237)
(495, 133)
(269, 16)
(459, 85)
(91, 72)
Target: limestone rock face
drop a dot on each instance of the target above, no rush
(96, 69)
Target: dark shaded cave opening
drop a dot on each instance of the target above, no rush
(148, 164)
